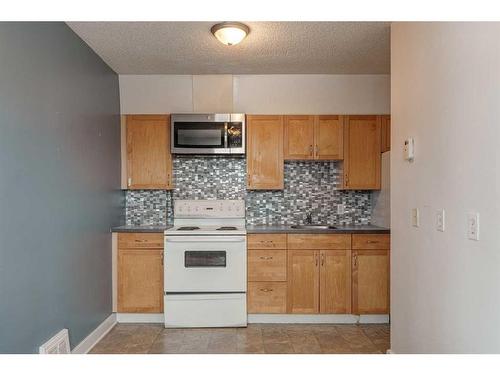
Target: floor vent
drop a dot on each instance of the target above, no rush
(59, 344)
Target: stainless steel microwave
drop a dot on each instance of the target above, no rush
(209, 133)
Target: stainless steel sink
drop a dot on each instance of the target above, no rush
(313, 226)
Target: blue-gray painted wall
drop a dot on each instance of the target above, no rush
(59, 185)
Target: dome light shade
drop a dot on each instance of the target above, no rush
(230, 33)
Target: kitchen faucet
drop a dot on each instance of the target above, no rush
(309, 219)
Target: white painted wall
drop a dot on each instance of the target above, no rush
(445, 86)
(257, 94)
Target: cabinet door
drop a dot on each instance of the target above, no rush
(335, 282)
(370, 281)
(266, 297)
(386, 133)
(264, 152)
(303, 281)
(362, 157)
(329, 138)
(299, 137)
(140, 280)
(149, 162)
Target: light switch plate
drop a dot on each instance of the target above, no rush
(415, 217)
(440, 220)
(473, 226)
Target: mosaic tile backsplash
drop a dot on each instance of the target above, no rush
(310, 187)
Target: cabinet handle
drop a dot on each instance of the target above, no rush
(311, 150)
(322, 259)
(355, 260)
(317, 150)
(372, 241)
(266, 258)
(140, 240)
(266, 290)
(129, 181)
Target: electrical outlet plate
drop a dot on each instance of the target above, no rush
(440, 220)
(415, 217)
(473, 226)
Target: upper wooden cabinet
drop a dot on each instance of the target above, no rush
(329, 138)
(264, 152)
(149, 162)
(386, 133)
(362, 139)
(313, 137)
(299, 137)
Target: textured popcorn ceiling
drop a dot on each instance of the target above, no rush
(270, 48)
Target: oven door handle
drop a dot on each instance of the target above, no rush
(224, 240)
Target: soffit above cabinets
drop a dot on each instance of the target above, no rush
(270, 48)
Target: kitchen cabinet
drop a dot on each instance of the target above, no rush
(313, 137)
(149, 162)
(299, 137)
(267, 273)
(319, 275)
(386, 133)
(266, 297)
(140, 273)
(329, 137)
(335, 282)
(265, 152)
(370, 274)
(362, 158)
(303, 281)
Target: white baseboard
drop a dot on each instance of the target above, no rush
(139, 318)
(272, 318)
(317, 318)
(95, 336)
(374, 319)
(303, 318)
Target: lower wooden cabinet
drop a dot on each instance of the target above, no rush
(140, 274)
(319, 281)
(303, 281)
(318, 274)
(266, 297)
(370, 281)
(335, 282)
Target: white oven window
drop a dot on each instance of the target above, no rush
(194, 259)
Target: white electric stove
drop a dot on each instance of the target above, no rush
(205, 267)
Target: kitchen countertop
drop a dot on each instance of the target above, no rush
(253, 229)
(141, 228)
(362, 229)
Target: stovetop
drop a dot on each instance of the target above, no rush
(206, 230)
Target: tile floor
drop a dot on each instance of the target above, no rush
(256, 338)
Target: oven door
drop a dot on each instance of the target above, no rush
(203, 264)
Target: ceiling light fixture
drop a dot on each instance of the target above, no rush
(230, 33)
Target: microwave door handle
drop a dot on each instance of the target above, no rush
(225, 135)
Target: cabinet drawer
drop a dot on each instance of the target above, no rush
(266, 241)
(140, 240)
(266, 265)
(371, 241)
(319, 241)
(266, 297)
